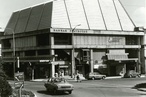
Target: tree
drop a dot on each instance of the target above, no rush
(5, 88)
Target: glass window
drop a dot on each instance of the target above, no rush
(131, 40)
(62, 39)
(43, 39)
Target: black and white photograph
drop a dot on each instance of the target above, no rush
(72, 48)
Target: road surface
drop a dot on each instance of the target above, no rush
(94, 88)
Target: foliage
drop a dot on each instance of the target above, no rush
(24, 92)
(5, 88)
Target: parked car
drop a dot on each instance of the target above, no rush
(95, 75)
(55, 85)
(131, 74)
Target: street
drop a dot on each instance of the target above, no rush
(120, 87)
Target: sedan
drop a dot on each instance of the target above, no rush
(54, 85)
(95, 75)
(131, 74)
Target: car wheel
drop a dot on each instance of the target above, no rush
(103, 77)
(93, 78)
(54, 91)
(139, 75)
(69, 92)
(130, 76)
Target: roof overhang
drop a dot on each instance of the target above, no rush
(103, 32)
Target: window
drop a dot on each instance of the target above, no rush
(86, 55)
(6, 43)
(62, 39)
(30, 53)
(43, 39)
(43, 52)
(131, 40)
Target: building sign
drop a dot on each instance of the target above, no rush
(45, 61)
(115, 39)
(87, 31)
(97, 66)
(57, 30)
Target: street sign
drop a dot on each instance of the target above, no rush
(18, 84)
(19, 80)
(19, 76)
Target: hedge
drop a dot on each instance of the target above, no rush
(5, 88)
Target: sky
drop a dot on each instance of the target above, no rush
(135, 8)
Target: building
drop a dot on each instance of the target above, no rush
(72, 35)
(144, 51)
(1, 34)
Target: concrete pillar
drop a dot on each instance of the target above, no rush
(91, 61)
(124, 69)
(73, 64)
(52, 52)
(53, 69)
(139, 62)
(53, 65)
(51, 37)
(145, 67)
(139, 55)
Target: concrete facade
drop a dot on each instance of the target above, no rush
(69, 36)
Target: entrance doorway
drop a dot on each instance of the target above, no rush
(113, 70)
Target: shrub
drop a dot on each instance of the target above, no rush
(5, 88)
(23, 92)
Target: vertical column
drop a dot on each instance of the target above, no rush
(138, 63)
(144, 43)
(145, 66)
(53, 65)
(91, 61)
(124, 69)
(51, 37)
(139, 56)
(73, 64)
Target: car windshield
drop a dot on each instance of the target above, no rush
(95, 73)
(56, 80)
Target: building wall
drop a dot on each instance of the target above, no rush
(99, 40)
(48, 29)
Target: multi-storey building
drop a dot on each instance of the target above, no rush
(70, 35)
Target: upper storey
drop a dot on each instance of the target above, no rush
(91, 14)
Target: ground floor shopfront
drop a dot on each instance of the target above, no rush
(105, 61)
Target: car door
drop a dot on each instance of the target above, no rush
(48, 84)
(51, 85)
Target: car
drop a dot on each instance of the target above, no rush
(58, 84)
(95, 75)
(131, 74)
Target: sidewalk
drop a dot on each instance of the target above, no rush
(72, 79)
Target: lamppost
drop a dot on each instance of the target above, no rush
(73, 51)
(13, 48)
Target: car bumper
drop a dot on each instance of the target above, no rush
(65, 89)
